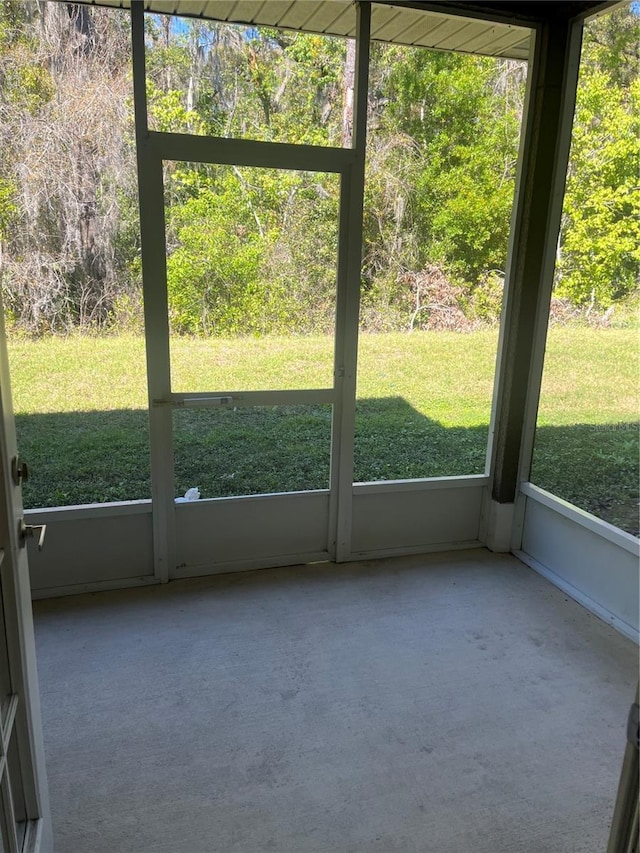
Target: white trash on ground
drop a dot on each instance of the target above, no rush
(192, 494)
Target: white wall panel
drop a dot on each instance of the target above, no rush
(254, 530)
(591, 560)
(91, 545)
(395, 520)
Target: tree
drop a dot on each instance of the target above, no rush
(442, 159)
(64, 90)
(254, 251)
(599, 250)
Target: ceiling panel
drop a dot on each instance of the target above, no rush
(275, 10)
(441, 30)
(185, 7)
(323, 17)
(470, 33)
(381, 16)
(390, 23)
(297, 14)
(394, 30)
(345, 23)
(247, 10)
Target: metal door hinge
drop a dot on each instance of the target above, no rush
(633, 725)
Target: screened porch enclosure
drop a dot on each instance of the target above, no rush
(336, 513)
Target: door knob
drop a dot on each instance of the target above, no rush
(29, 531)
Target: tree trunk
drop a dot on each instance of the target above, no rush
(348, 94)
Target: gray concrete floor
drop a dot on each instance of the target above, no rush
(438, 704)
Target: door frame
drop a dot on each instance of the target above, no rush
(349, 163)
(24, 718)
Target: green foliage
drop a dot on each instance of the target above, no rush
(599, 257)
(453, 122)
(254, 251)
(238, 241)
(485, 301)
(25, 83)
(213, 274)
(168, 114)
(8, 208)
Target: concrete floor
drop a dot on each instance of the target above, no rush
(433, 704)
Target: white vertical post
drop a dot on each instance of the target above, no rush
(348, 306)
(154, 282)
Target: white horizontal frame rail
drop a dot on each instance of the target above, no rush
(238, 399)
(247, 499)
(49, 515)
(425, 484)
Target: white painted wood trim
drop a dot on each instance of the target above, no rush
(249, 152)
(34, 838)
(425, 484)
(585, 519)
(84, 511)
(97, 586)
(156, 316)
(253, 498)
(233, 566)
(339, 432)
(439, 547)
(18, 635)
(347, 321)
(581, 597)
(496, 525)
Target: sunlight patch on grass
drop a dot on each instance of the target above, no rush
(590, 374)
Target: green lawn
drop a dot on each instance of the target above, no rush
(423, 410)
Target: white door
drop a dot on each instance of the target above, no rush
(25, 823)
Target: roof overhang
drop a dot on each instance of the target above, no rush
(501, 29)
(390, 22)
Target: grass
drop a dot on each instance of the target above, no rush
(423, 410)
